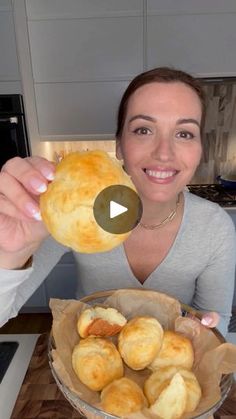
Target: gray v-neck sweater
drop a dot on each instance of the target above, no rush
(198, 269)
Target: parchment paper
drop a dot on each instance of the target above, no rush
(212, 357)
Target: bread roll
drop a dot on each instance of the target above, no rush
(99, 321)
(172, 401)
(176, 350)
(97, 362)
(161, 378)
(122, 397)
(194, 392)
(140, 341)
(157, 382)
(67, 205)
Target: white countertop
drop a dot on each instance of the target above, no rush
(12, 381)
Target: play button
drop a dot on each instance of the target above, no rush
(117, 209)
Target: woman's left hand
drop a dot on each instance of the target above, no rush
(210, 319)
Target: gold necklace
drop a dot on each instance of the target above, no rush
(170, 217)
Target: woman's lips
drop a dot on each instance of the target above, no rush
(160, 176)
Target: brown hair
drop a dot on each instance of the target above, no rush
(161, 75)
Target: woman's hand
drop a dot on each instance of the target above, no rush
(210, 319)
(21, 228)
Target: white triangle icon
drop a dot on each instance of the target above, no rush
(116, 209)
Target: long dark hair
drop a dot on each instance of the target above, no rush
(161, 75)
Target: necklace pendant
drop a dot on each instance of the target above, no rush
(170, 217)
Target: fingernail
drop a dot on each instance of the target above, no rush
(49, 175)
(33, 211)
(206, 321)
(38, 185)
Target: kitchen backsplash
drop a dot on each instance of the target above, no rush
(219, 139)
(53, 150)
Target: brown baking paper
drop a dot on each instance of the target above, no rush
(212, 357)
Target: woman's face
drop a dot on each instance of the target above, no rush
(160, 143)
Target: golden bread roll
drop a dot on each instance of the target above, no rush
(122, 397)
(99, 321)
(157, 382)
(161, 378)
(176, 350)
(140, 341)
(172, 401)
(194, 392)
(67, 205)
(96, 362)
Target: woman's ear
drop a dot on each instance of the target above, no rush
(119, 155)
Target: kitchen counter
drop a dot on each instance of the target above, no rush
(39, 395)
(12, 381)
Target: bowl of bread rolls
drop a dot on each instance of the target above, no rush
(135, 354)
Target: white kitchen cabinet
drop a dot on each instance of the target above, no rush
(61, 283)
(79, 50)
(37, 302)
(193, 43)
(198, 37)
(77, 57)
(82, 54)
(57, 9)
(183, 7)
(80, 68)
(9, 67)
(78, 108)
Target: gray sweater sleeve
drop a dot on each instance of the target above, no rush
(215, 285)
(18, 285)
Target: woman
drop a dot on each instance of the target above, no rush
(184, 245)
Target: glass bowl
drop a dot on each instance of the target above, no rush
(91, 412)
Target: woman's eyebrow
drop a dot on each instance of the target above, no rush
(188, 121)
(179, 121)
(141, 116)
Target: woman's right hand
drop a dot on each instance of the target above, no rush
(21, 228)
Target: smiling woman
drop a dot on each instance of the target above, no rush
(184, 245)
(159, 75)
(161, 143)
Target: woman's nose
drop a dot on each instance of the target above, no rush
(163, 149)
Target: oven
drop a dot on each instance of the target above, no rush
(13, 132)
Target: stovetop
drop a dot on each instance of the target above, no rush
(215, 193)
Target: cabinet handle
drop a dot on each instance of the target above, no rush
(12, 120)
